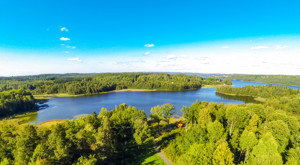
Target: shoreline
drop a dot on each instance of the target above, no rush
(49, 96)
(259, 99)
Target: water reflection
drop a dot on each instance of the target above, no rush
(246, 99)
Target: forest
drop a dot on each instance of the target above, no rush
(212, 133)
(87, 84)
(258, 91)
(272, 79)
(16, 101)
(16, 93)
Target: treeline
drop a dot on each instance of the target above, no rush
(267, 91)
(235, 134)
(96, 83)
(16, 101)
(112, 137)
(266, 133)
(273, 79)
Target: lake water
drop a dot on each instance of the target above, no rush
(69, 107)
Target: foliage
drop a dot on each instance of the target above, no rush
(265, 133)
(88, 84)
(16, 101)
(116, 136)
(273, 79)
(157, 114)
(268, 91)
(168, 110)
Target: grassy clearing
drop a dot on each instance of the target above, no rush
(260, 99)
(210, 86)
(136, 90)
(20, 119)
(48, 124)
(80, 115)
(153, 160)
(48, 96)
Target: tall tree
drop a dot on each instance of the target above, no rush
(266, 152)
(247, 142)
(223, 155)
(168, 110)
(142, 132)
(281, 133)
(157, 114)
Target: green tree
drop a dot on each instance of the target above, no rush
(142, 132)
(198, 154)
(223, 155)
(6, 161)
(247, 142)
(253, 123)
(168, 110)
(266, 152)
(293, 155)
(26, 143)
(204, 117)
(237, 117)
(41, 155)
(84, 160)
(156, 114)
(215, 131)
(104, 137)
(281, 133)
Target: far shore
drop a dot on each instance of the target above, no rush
(259, 99)
(48, 96)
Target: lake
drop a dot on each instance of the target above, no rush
(69, 107)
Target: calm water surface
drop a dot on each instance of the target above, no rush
(69, 107)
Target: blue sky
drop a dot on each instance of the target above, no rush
(52, 36)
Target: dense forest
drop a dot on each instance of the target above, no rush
(16, 101)
(88, 84)
(16, 92)
(214, 133)
(112, 137)
(272, 79)
(258, 91)
(266, 133)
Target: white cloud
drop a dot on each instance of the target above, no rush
(64, 29)
(71, 47)
(62, 44)
(147, 53)
(149, 45)
(77, 59)
(171, 57)
(67, 52)
(281, 47)
(225, 47)
(64, 39)
(259, 47)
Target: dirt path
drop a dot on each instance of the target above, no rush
(160, 154)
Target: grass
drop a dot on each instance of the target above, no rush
(80, 115)
(260, 99)
(20, 119)
(153, 160)
(210, 86)
(48, 96)
(48, 124)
